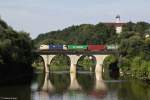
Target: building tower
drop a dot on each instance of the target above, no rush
(118, 25)
(118, 19)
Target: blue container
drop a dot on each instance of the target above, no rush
(55, 47)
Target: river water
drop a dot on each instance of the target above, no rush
(76, 86)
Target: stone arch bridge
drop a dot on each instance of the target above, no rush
(74, 56)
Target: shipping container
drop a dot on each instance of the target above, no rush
(77, 47)
(55, 47)
(96, 47)
(112, 47)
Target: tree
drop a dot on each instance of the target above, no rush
(141, 27)
(129, 27)
(15, 45)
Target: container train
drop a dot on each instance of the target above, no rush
(79, 47)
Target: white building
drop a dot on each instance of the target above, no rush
(117, 24)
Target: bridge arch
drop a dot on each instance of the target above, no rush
(39, 63)
(47, 59)
(60, 62)
(73, 60)
(111, 69)
(86, 63)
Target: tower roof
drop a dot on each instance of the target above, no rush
(118, 16)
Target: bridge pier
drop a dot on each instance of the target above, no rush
(47, 60)
(73, 62)
(99, 64)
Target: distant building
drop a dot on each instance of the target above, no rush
(118, 24)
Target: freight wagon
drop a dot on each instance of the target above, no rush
(53, 47)
(112, 47)
(77, 47)
(96, 47)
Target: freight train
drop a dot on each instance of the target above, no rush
(79, 47)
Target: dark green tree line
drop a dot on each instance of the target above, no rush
(16, 52)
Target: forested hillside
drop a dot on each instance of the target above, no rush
(82, 34)
(89, 34)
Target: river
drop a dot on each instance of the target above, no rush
(76, 86)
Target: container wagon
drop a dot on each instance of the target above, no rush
(77, 47)
(53, 47)
(96, 47)
(112, 47)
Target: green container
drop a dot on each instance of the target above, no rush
(70, 47)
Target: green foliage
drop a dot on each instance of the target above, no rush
(125, 65)
(86, 64)
(60, 63)
(129, 27)
(60, 81)
(38, 64)
(110, 59)
(140, 27)
(3, 24)
(82, 34)
(110, 65)
(146, 49)
(139, 68)
(135, 45)
(15, 47)
(135, 51)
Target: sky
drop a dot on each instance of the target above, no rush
(40, 16)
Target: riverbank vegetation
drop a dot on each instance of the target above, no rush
(135, 55)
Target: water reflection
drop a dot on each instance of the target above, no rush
(47, 86)
(77, 86)
(60, 81)
(100, 85)
(86, 80)
(19, 92)
(74, 85)
(100, 89)
(75, 95)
